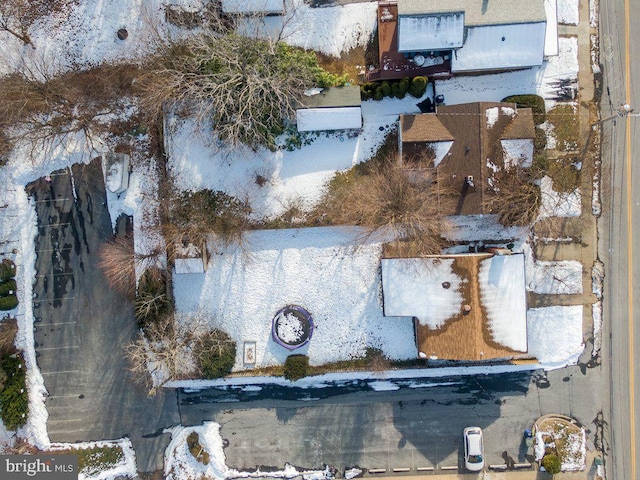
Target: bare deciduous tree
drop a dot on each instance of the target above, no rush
(162, 354)
(8, 331)
(388, 198)
(245, 86)
(42, 109)
(117, 261)
(514, 196)
(174, 348)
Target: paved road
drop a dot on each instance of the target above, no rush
(620, 229)
(82, 325)
(418, 425)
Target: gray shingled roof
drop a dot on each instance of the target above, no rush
(479, 12)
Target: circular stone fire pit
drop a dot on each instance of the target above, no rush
(292, 327)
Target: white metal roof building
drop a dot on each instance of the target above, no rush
(430, 32)
(497, 47)
(253, 7)
(480, 34)
(332, 118)
(336, 108)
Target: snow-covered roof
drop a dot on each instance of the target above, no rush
(247, 7)
(502, 292)
(416, 287)
(467, 307)
(320, 119)
(501, 47)
(430, 32)
(479, 12)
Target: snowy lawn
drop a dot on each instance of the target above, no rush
(288, 178)
(95, 469)
(561, 277)
(568, 12)
(328, 271)
(549, 80)
(555, 335)
(558, 204)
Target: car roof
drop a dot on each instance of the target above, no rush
(475, 442)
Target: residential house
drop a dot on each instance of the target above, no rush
(337, 108)
(465, 307)
(464, 146)
(464, 35)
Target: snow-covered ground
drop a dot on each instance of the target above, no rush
(547, 80)
(339, 283)
(558, 204)
(331, 272)
(555, 334)
(568, 12)
(125, 468)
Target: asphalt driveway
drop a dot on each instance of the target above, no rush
(82, 324)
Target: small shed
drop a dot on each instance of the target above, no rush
(336, 108)
(190, 258)
(253, 7)
(116, 172)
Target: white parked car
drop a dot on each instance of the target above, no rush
(473, 449)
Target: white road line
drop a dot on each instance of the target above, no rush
(56, 348)
(67, 420)
(60, 371)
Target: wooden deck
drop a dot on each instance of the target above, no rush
(393, 64)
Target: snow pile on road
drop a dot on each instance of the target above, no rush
(181, 464)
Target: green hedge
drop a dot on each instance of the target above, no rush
(8, 288)
(14, 398)
(418, 86)
(215, 354)
(7, 270)
(296, 367)
(394, 89)
(551, 463)
(8, 303)
(534, 102)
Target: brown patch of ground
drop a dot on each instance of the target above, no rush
(352, 63)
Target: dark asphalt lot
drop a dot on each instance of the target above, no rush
(82, 325)
(416, 426)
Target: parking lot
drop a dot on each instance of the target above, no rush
(82, 324)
